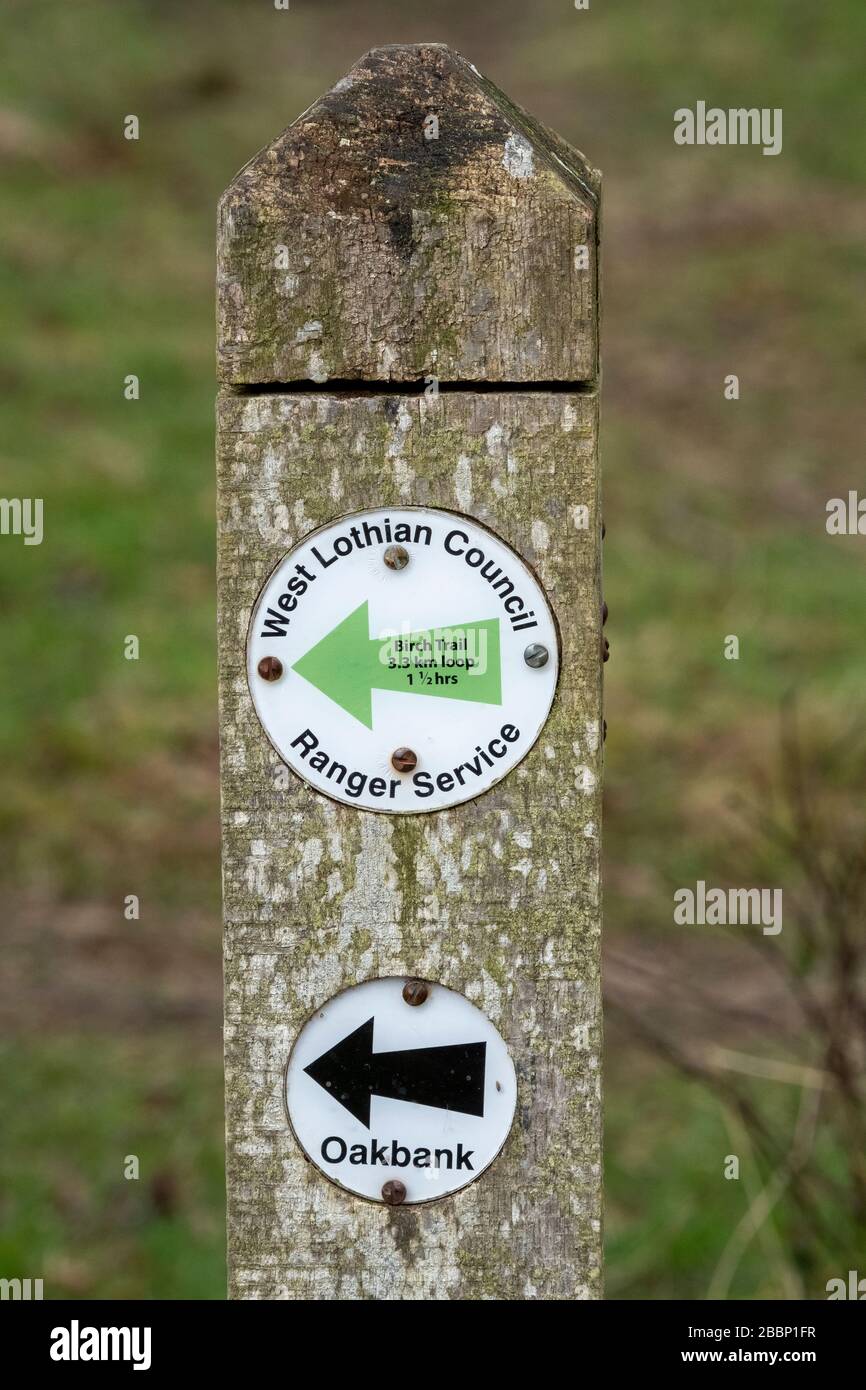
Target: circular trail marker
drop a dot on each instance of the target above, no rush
(380, 1091)
(426, 656)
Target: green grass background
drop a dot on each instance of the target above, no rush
(715, 261)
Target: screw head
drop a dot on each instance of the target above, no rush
(536, 655)
(396, 557)
(606, 653)
(415, 992)
(270, 668)
(393, 1192)
(404, 760)
(603, 613)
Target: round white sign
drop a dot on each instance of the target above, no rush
(400, 1101)
(402, 660)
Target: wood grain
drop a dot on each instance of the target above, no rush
(406, 257)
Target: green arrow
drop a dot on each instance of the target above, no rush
(460, 662)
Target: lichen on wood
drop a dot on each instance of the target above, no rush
(354, 247)
(498, 898)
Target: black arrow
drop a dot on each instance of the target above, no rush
(449, 1078)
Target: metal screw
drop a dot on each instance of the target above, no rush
(396, 557)
(536, 655)
(393, 1192)
(606, 653)
(415, 992)
(270, 668)
(404, 760)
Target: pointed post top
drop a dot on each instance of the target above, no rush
(412, 223)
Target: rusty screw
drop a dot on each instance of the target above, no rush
(393, 1192)
(415, 992)
(536, 655)
(404, 760)
(270, 668)
(396, 557)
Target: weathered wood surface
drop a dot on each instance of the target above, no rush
(408, 258)
(498, 898)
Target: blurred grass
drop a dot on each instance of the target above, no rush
(68, 1213)
(715, 261)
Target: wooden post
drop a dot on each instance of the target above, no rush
(408, 316)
